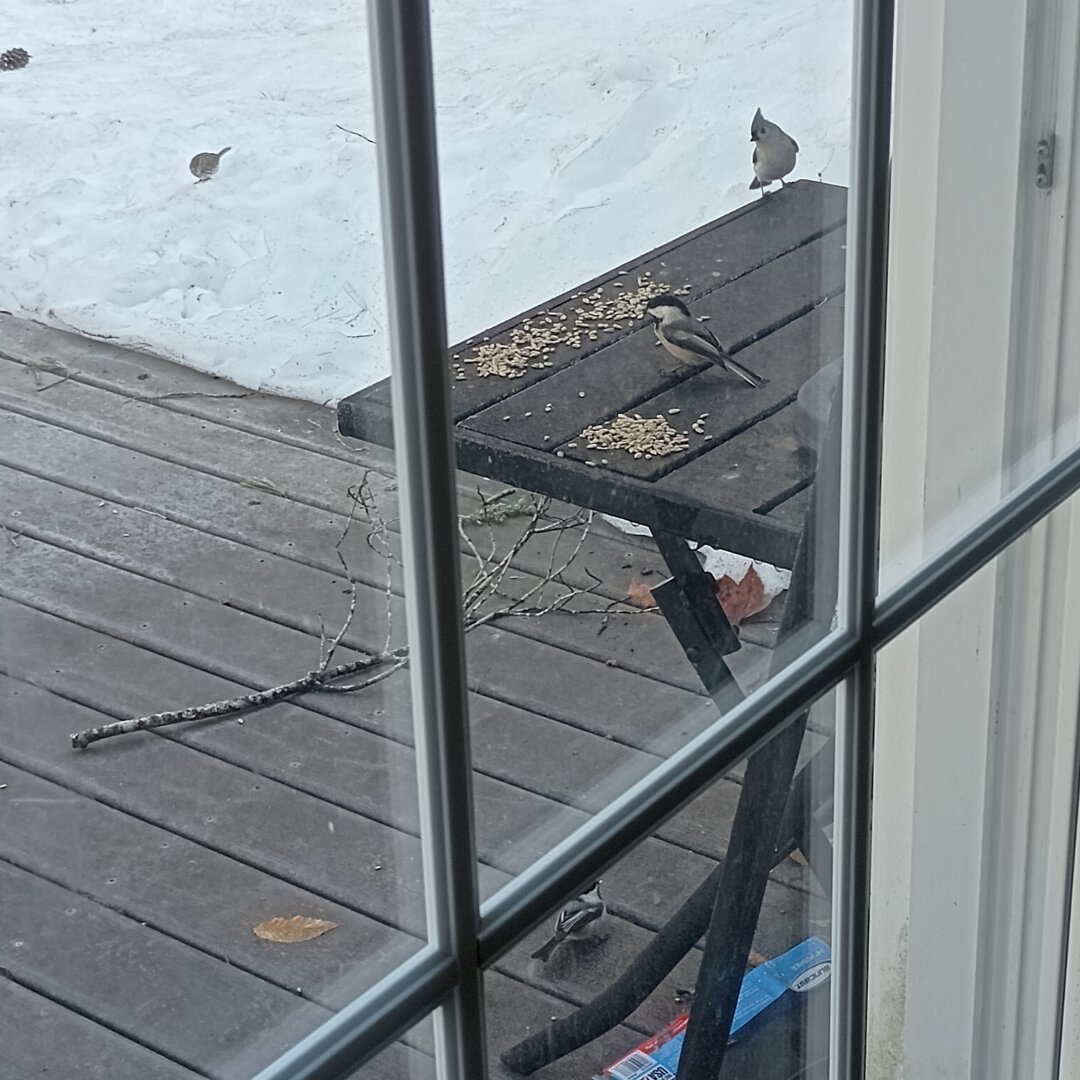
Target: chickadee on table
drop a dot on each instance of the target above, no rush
(690, 340)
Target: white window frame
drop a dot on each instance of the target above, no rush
(464, 936)
(976, 750)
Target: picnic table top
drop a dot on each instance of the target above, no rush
(769, 279)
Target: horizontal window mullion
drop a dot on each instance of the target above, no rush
(1017, 512)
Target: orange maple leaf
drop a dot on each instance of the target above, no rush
(741, 599)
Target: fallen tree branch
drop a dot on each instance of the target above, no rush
(317, 679)
(483, 600)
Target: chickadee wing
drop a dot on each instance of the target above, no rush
(700, 340)
(755, 154)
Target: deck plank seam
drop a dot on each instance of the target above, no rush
(520, 627)
(149, 924)
(365, 814)
(73, 1007)
(522, 631)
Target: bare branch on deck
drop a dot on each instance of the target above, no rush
(484, 599)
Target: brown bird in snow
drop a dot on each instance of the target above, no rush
(203, 166)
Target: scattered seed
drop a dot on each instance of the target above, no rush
(637, 436)
(591, 464)
(581, 393)
(672, 412)
(547, 438)
(506, 417)
(559, 453)
(528, 414)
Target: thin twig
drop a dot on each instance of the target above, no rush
(485, 587)
(357, 133)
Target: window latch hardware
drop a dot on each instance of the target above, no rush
(1044, 156)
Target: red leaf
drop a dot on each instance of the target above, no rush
(741, 599)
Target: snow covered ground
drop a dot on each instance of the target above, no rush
(574, 134)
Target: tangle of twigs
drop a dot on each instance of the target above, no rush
(485, 598)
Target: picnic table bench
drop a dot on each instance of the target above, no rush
(769, 279)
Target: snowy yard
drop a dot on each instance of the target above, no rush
(572, 137)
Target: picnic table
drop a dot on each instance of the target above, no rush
(724, 464)
(769, 278)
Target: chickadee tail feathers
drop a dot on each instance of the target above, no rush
(225, 151)
(545, 950)
(755, 184)
(743, 372)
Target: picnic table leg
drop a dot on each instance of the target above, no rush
(750, 855)
(691, 608)
(763, 803)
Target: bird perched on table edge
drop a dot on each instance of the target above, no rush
(204, 166)
(579, 919)
(689, 340)
(774, 152)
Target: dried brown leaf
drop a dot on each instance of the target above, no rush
(741, 599)
(298, 928)
(640, 595)
(755, 959)
(798, 857)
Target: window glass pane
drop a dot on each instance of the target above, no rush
(974, 815)
(982, 389)
(408, 1059)
(193, 899)
(579, 995)
(624, 587)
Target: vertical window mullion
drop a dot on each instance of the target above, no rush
(400, 37)
(863, 388)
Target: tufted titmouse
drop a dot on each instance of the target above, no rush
(774, 152)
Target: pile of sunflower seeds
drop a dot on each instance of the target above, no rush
(641, 437)
(535, 339)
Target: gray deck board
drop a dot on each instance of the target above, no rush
(143, 572)
(168, 996)
(41, 1038)
(176, 885)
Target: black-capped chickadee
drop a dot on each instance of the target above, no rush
(579, 919)
(774, 152)
(689, 340)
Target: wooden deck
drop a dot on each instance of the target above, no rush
(169, 539)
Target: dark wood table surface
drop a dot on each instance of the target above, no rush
(769, 277)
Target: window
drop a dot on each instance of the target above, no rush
(912, 706)
(463, 930)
